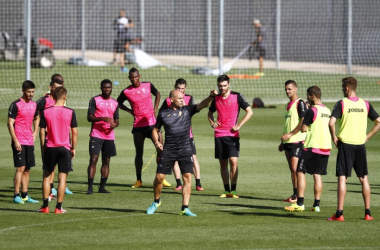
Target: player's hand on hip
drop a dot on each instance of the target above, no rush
(215, 125)
(235, 128)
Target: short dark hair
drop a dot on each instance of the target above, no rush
(350, 82)
(56, 79)
(28, 85)
(133, 70)
(291, 82)
(314, 90)
(105, 81)
(223, 78)
(180, 81)
(60, 92)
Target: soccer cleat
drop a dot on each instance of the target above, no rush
(90, 190)
(29, 199)
(200, 188)
(291, 200)
(233, 195)
(67, 191)
(225, 194)
(316, 209)
(137, 184)
(52, 197)
(103, 190)
(178, 188)
(124, 69)
(153, 208)
(166, 183)
(187, 212)
(368, 217)
(341, 218)
(59, 211)
(44, 210)
(295, 208)
(18, 200)
(54, 191)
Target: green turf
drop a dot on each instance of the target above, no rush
(255, 221)
(83, 82)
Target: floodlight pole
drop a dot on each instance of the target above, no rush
(349, 38)
(278, 34)
(27, 33)
(221, 35)
(209, 34)
(142, 19)
(83, 31)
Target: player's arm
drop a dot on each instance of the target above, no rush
(74, 134)
(203, 104)
(308, 120)
(332, 130)
(155, 139)
(301, 115)
(247, 116)
(11, 128)
(157, 94)
(36, 122)
(372, 114)
(93, 118)
(336, 114)
(120, 101)
(115, 122)
(210, 115)
(74, 141)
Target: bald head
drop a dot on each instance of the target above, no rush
(176, 98)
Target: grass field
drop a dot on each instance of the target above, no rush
(255, 221)
(118, 220)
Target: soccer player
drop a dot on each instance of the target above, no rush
(180, 85)
(176, 121)
(227, 140)
(292, 140)
(57, 149)
(139, 95)
(21, 116)
(49, 101)
(103, 113)
(316, 149)
(352, 112)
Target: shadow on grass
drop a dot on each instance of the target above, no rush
(285, 215)
(19, 210)
(119, 210)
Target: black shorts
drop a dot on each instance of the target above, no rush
(226, 147)
(192, 145)
(166, 163)
(107, 147)
(25, 157)
(294, 149)
(119, 45)
(351, 156)
(60, 155)
(146, 131)
(313, 163)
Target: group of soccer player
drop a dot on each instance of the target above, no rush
(309, 128)
(307, 143)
